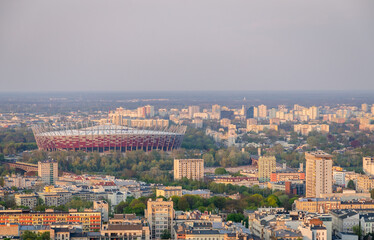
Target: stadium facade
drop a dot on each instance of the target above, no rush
(103, 138)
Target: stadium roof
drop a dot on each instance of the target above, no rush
(108, 129)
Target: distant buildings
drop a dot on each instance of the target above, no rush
(286, 176)
(168, 192)
(366, 124)
(260, 128)
(262, 111)
(160, 217)
(305, 129)
(189, 168)
(192, 110)
(240, 181)
(266, 166)
(318, 173)
(48, 171)
(364, 107)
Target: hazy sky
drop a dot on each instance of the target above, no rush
(186, 45)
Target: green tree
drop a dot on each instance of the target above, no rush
(166, 234)
(357, 230)
(183, 204)
(351, 185)
(28, 235)
(1, 181)
(220, 171)
(235, 217)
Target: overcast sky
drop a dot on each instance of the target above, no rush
(186, 45)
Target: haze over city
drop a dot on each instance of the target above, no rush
(186, 45)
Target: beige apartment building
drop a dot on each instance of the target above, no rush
(168, 192)
(262, 111)
(189, 168)
(364, 183)
(27, 200)
(48, 171)
(266, 166)
(305, 129)
(368, 165)
(160, 216)
(318, 173)
(103, 207)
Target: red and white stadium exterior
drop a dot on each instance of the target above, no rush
(108, 137)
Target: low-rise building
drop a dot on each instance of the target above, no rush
(203, 193)
(286, 176)
(344, 220)
(168, 192)
(128, 231)
(27, 200)
(88, 219)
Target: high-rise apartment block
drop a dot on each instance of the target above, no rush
(318, 173)
(48, 171)
(103, 207)
(250, 112)
(368, 165)
(262, 111)
(189, 168)
(266, 166)
(160, 216)
(192, 110)
(364, 107)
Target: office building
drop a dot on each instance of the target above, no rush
(368, 165)
(48, 171)
(266, 166)
(318, 173)
(189, 168)
(160, 217)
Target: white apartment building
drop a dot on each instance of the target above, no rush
(189, 168)
(318, 173)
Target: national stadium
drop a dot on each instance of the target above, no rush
(108, 137)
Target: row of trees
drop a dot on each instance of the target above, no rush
(213, 204)
(14, 140)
